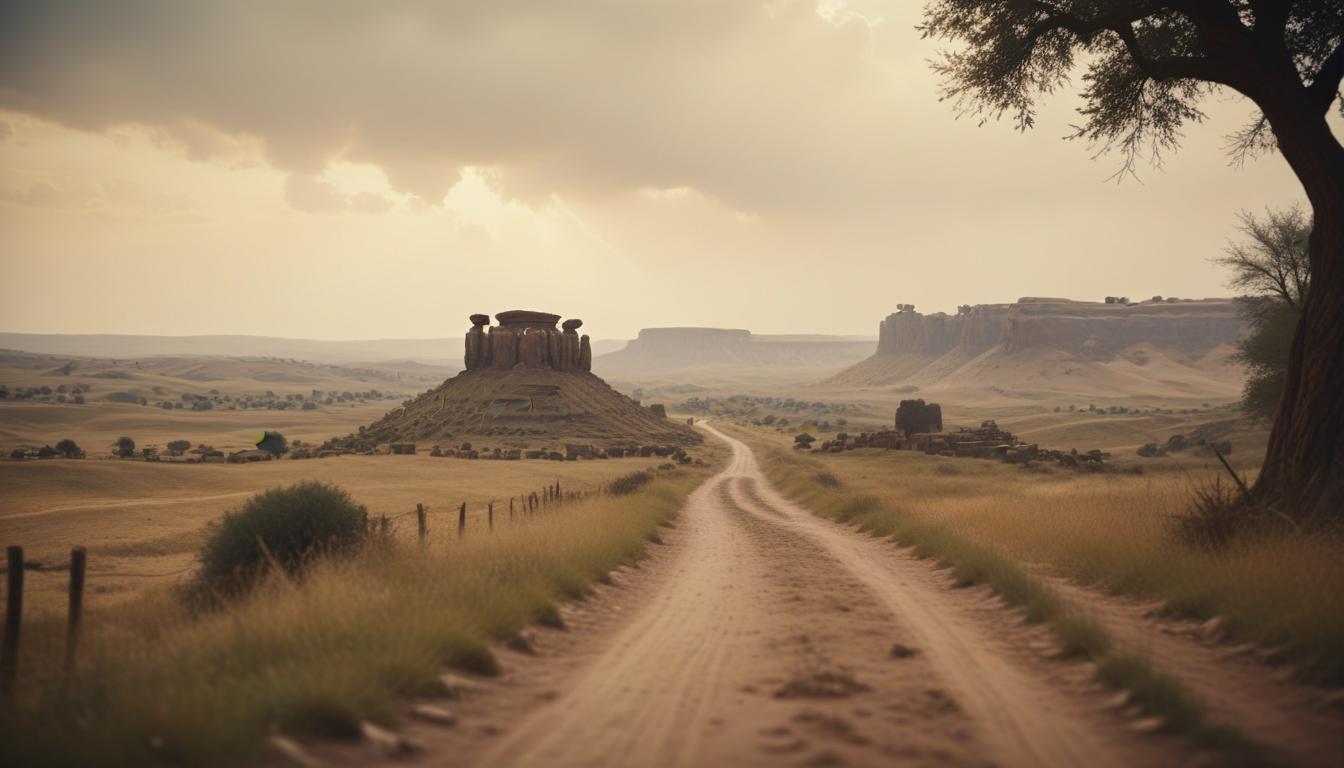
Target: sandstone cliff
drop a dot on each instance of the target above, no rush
(1175, 347)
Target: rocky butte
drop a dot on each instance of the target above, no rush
(527, 384)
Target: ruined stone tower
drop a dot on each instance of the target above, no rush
(527, 339)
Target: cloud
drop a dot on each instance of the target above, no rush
(763, 106)
(41, 194)
(370, 202)
(311, 194)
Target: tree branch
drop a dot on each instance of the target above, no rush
(1121, 23)
(1173, 67)
(1325, 85)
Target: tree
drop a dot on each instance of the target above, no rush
(124, 447)
(273, 442)
(177, 447)
(69, 448)
(1272, 271)
(1149, 63)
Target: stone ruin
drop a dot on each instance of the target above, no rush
(527, 339)
(987, 441)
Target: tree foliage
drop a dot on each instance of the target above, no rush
(124, 447)
(69, 448)
(1273, 262)
(1147, 65)
(1272, 270)
(282, 527)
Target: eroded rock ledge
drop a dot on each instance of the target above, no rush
(527, 339)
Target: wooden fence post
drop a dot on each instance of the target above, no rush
(510, 507)
(9, 652)
(78, 561)
(424, 524)
(462, 520)
(490, 515)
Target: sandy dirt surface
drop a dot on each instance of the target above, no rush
(763, 635)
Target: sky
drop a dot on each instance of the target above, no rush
(356, 170)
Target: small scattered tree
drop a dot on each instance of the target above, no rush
(124, 448)
(1272, 269)
(273, 442)
(69, 448)
(804, 441)
(178, 447)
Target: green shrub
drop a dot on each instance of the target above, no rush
(282, 527)
(629, 483)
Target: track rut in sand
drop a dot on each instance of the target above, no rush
(768, 637)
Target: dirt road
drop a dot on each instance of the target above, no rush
(770, 636)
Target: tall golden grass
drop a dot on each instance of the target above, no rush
(158, 684)
(1112, 531)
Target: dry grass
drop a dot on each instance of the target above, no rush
(157, 684)
(1114, 531)
(140, 518)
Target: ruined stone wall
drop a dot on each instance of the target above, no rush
(526, 339)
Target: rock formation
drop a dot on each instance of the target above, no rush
(1087, 328)
(527, 385)
(1060, 346)
(915, 416)
(526, 339)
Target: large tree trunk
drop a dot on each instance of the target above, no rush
(1303, 474)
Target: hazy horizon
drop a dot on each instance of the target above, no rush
(235, 169)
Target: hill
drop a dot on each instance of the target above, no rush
(430, 351)
(527, 384)
(669, 363)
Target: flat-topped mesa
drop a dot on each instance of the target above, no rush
(527, 339)
(1091, 329)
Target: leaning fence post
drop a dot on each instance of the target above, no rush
(510, 507)
(78, 560)
(9, 652)
(462, 519)
(420, 519)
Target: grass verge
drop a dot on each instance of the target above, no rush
(808, 482)
(157, 684)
